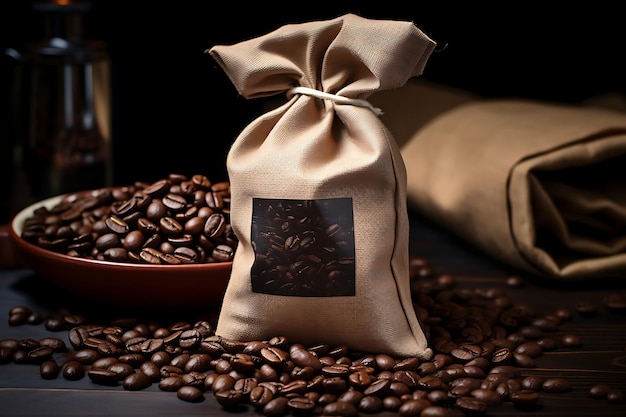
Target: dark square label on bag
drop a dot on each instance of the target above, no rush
(303, 248)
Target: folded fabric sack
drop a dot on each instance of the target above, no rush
(540, 186)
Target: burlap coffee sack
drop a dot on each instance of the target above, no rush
(411, 107)
(318, 189)
(541, 186)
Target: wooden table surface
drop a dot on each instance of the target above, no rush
(600, 359)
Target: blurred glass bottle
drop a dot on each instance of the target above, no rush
(62, 97)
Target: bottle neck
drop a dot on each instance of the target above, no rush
(63, 18)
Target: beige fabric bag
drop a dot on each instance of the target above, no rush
(541, 186)
(318, 189)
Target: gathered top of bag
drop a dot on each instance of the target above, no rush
(349, 56)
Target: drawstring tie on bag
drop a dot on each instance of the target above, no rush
(334, 97)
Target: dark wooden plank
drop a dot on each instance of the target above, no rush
(600, 359)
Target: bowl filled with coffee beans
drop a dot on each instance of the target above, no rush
(146, 243)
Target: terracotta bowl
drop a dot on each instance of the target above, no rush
(189, 285)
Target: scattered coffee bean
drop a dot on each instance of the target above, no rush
(482, 341)
(136, 381)
(556, 384)
(615, 396)
(586, 308)
(49, 369)
(73, 370)
(599, 391)
(570, 340)
(515, 281)
(615, 303)
(524, 398)
(190, 394)
(103, 376)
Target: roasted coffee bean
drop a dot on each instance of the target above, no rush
(523, 360)
(430, 383)
(22, 310)
(28, 344)
(73, 370)
(556, 384)
(531, 348)
(133, 359)
(195, 225)
(151, 369)
(599, 391)
(274, 356)
(54, 324)
(116, 255)
(490, 397)
(86, 356)
(174, 202)
(171, 383)
(570, 340)
(35, 318)
(190, 339)
(370, 404)
(524, 398)
(615, 302)
(103, 377)
(117, 225)
(56, 344)
(49, 369)
(19, 317)
(471, 405)
(151, 256)
(276, 407)
(260, 396)
(122, 370)
(351, 396)
(547, 343)
(407, 364)
(108, 241)
(40, 354)
(169, 370)
(229, 398)
(187, 255)
(340, 408)
(170, 226)
(195, 379)
(215, 225)
(586, 308)
(413, 407)
(615, 396)
(180, 361)
(335, 370)
(380, 388)
(136, 381)
(391, 403)
(223, 382)
(304, 358)
(223, 253)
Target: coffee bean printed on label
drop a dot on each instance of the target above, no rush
(303, 247)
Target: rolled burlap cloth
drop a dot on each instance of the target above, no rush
(540, 186)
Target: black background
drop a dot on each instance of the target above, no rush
(174, 110)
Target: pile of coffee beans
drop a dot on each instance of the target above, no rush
(175, 220)
(482, 341)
